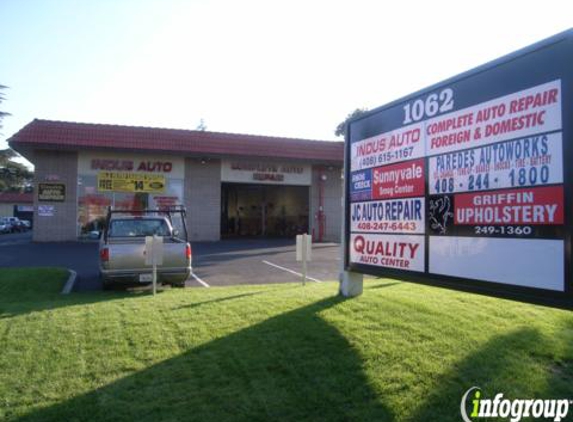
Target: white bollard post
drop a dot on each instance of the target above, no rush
(304, 236)
(303, 253)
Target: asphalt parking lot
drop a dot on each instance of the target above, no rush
(224, 263)
(261, 261)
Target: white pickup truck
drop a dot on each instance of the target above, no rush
(122, 247)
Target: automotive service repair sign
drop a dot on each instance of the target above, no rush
(467, 183)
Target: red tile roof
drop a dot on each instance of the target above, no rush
(16, 198)
(71, 135)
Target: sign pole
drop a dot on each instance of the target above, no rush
(351, 283)
(154, 256)
(154, 279)
(304, 253)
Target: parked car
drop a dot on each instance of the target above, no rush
(122, 248)
(5, 227)
(17, 225)
(27, 224)
(9, 225)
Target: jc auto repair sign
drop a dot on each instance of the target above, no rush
(468, 183)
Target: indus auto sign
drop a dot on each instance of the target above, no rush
(466, 184)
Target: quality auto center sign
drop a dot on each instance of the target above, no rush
(466, 184)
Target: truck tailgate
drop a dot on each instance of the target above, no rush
(130, 255)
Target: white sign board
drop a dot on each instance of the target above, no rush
(45, 210)
(153, 250)
(302, 249)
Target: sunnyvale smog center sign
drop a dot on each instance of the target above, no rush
(468, 183)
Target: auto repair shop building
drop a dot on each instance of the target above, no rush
(16, 204)
(231, 185)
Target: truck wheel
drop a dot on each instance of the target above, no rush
(106, 283)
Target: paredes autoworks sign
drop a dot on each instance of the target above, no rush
(468, 183)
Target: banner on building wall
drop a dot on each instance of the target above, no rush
(45, 210)
(25, 208)
(51, 192)
(130, 182)
(265, 172)
(464, 184)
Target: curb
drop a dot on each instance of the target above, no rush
(70, 283)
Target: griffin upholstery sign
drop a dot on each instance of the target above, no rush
(466, 184)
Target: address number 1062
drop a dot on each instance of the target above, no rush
(434, 103)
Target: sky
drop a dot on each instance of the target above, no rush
(280, 68)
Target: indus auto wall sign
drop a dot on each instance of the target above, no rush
(467, 184)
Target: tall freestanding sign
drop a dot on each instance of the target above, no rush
(468, 184)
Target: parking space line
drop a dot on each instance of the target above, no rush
(290, 271)
(13, 242)
(199, 280)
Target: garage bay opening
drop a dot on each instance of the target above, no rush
(249, 210)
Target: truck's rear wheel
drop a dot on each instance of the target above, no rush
(106, 283)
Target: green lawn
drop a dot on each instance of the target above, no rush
(269, 353)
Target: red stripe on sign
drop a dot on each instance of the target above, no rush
(533, 206)
(399, 180)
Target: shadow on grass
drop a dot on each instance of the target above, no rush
(562, 369)
(518, 364)
(292, 367)
(222, 299)
(382, 286)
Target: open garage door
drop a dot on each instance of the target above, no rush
(249, 210)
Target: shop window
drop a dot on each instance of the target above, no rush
(93, 205)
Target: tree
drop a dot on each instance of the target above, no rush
(2, 98)
(341, 128)
(202, 126)
(14, 176)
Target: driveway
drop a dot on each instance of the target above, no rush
(261, 261)
(224, 263)
(19, 251)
